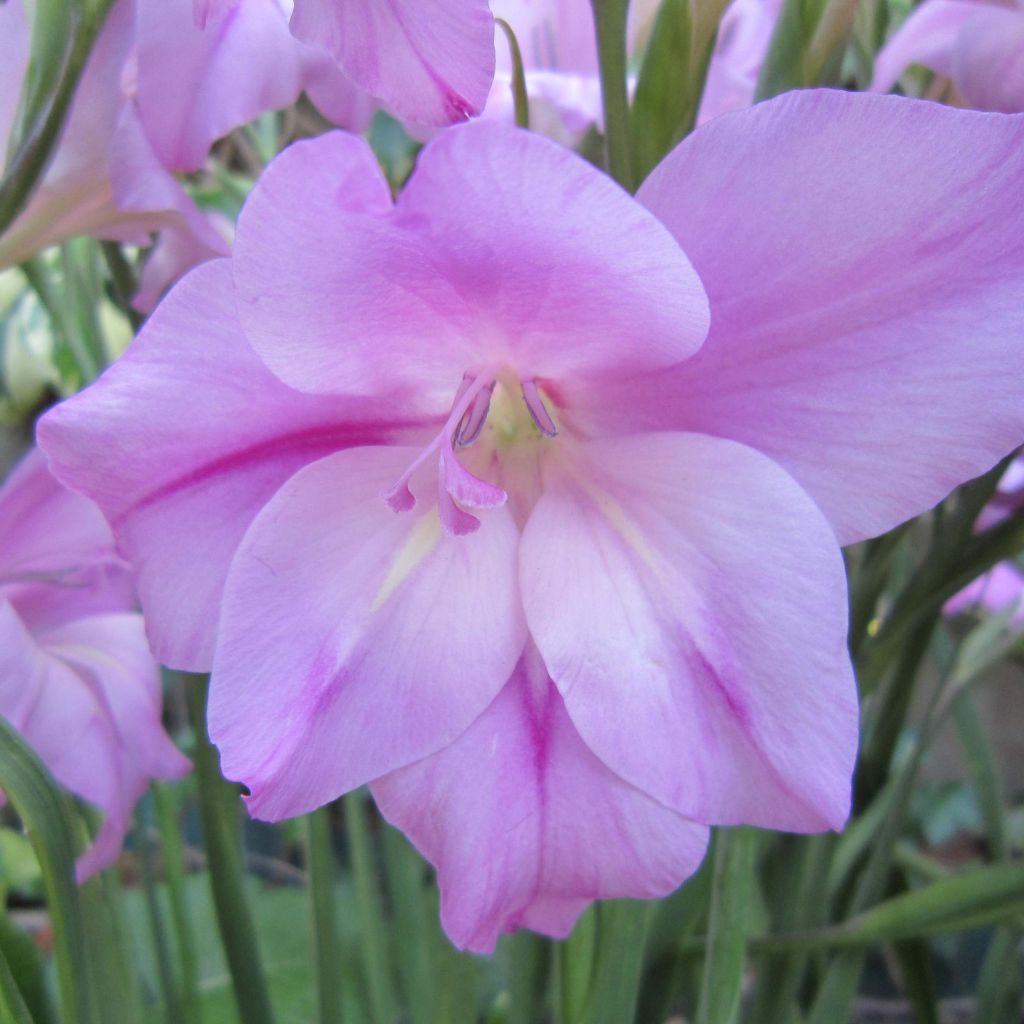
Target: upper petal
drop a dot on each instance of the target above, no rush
(689, 601)
(863, 258)
(430, 61)
(526, 826)
(503, 248)
(181, 442)
(355, 640)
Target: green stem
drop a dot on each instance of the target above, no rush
(610, 24)
(174, 871)
(12, 1003)
(29, 160)
(520, 98)
(731, 895)
(376, 960)
(162, 948)
(227, 881)
(123, 278)
(326, 950)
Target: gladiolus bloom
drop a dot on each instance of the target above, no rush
(467, 496)
(77, 679)
(979, 47)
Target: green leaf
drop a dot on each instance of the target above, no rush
(48, 820)
(731, 896)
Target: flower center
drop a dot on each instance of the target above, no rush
(458, 489)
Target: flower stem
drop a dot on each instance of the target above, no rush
(376, 961)
(170, 840)
(610, 23)
(326, 952)
(227, 882)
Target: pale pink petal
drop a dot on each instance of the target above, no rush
(14, 49)
(430, 61)
(526, 826)
(181, 443)
(689, 601)
(988, 63)
(863, 258)
(58, 715)
(57, 559)
(462, 273)
(354, 640)
(927, 37)
(195, 85)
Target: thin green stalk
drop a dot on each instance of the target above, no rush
(123, 278)
(227, 882)
(520, 98)
(158, 930)
(326, 949)
(174, 862)
(610, 23)
(376, 956)
(732, 889)
(12, 1004)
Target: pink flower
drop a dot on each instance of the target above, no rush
(76, 676)
(979, 46)
(607, 601)
(157, 92)
(430, 61)
(740, 48)
(999, 590)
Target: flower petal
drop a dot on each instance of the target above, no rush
(988, 63)
(355, 640)
(461, 273)
(863, 258)
(689, 601)
(430, 61)
(927, 37)
(526, 826)
(181, 443)
(195, 84)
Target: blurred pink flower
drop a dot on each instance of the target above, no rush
(1003, 586)
(157, 92)
(77, 679)
(741, 45)
(607, 600)
(429, 61)
(559, 51)
(979, 46)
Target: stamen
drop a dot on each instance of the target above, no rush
(464, 423)
(539, 412)
(474, 420)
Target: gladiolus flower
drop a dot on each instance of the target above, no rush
(461, 495)
(77, 679)
(979, 47)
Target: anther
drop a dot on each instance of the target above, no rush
(540, 414)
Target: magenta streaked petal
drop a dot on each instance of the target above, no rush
(181, 443)
(354, 639)
(430, 61)
(669, 581)
(526, 826)
(863, 259)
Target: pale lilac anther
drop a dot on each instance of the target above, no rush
(474, 420)
(539, 412)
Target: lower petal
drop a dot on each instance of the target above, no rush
(689, 601)
(354, 639)
(526, 826)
